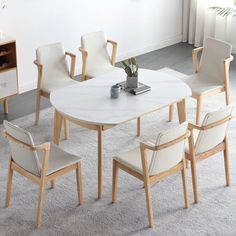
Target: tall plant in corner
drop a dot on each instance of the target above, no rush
(225, 11)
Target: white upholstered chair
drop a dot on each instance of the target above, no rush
(211, 75)
(53, 73)
(95, 56)
(39, 163)
(152, 163)
(207, 140)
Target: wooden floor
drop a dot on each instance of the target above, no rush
(177, 57)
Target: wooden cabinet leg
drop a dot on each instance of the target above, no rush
(5, 106)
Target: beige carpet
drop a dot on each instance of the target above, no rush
(214, 215)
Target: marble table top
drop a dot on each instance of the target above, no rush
(90, 101)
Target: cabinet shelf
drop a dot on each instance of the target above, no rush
(8, 70)
(5, 53)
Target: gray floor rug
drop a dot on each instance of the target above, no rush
(214, 215)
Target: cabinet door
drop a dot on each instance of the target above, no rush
(8, 83)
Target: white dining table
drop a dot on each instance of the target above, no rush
(89, 104)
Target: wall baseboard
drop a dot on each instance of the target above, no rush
(165, 43)
(150, 48)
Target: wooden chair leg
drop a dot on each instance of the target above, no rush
(198, 112)
(226, 161)
(37, 108)
(187, 164)
(185, 185)
(138, 126)
(5, 106)
(171, 112)
(149, 201)
(79, 183)
(194, 180)
(40, 204)
(114, 181)
(227, 97)
(9, 185)
(66, 128)
(53, 183)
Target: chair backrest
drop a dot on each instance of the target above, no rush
(211, 67)
(167, 158)
(25, 158)
(209, 138)
(96, 46)
(53, 59)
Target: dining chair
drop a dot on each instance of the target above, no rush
(207, 140)
(211, 74)
(95, 56)
(152, 163)
(39, 163)
(53, 73)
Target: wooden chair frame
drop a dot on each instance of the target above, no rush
(199, 98)
(194, 158)
(85, 57)
(40, 91)
(150, 180)
(44, 178)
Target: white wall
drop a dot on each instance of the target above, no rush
(137, 25)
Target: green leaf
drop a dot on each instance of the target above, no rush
(128, 71)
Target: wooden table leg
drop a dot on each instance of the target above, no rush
(100, 162)
(138, 126)
(57, 127)
(181, 111)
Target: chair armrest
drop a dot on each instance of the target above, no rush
(153, 147)
(70, 54)
(149, 146)
(114, 50)
(83, 51)
(84, 61)
(40, 73)
(38, 64)
(112, 42)
(195, 52)
(45, 146)
(72, 65)
(193, 126)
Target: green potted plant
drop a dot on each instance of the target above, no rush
(131, 69)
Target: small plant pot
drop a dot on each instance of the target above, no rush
(115, 91)
(132, 82)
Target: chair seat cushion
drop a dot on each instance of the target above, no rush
(199, 87)
(95, 72)
(59, 159)
(54, 84)
(132, 159)
(195, 136)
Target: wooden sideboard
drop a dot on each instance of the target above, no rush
(8, 70)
